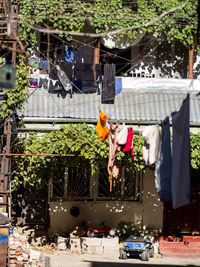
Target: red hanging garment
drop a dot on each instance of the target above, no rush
(129, 143)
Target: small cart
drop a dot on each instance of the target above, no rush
(137, 246)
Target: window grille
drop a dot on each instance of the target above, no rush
(126, 187)
(71, 183)
(78, 184)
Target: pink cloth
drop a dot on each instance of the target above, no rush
(113, 169)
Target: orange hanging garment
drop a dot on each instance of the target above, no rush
(101, 128)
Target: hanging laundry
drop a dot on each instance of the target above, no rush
(83, 72)
(151, 135)
(98, 72)
(102, 126)
(44, 65)
(122, 135)
(67, 68)
(43, 83)
(181, 158)
(88, 54)
(163, 170)
(69, 56)
(113, 169)
(33, 83)
(118, 85)
(78, 54)
(129, 143)
(53, 74)
(60, 55)
(55, 86)
(108, 91)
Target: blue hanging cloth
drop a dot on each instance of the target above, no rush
(69, 57)
(181, 158)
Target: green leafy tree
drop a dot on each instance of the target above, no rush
(176, 19)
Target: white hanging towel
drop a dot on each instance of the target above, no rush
(121, 138)
(151, 135)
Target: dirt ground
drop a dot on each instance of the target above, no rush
(62, 259)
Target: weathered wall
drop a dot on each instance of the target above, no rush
(149, 213)
(164, 60)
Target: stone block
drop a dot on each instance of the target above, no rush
(12, 251)
(13, 261)
(62, 243)
(16, 235)
(25, 256)
(35, 255)
(11, 242)
(19, 258)
(75, 244)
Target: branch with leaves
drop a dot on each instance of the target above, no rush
(176, 19)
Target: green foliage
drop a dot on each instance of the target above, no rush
(14, 99)
(77, 139)
(81, 141)
(195, 150)
(125, 229)
(106, 15)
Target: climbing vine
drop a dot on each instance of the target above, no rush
(107, 15)
(77, 139)
(81, 141)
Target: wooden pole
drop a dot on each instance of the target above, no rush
(191, 61)
(97, 52)
(96, 59)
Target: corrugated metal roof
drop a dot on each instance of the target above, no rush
(131, 106)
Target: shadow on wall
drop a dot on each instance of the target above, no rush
(167, 61)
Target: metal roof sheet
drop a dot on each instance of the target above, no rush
(129, 106)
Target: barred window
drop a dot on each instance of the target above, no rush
(72, 183)
(126, 187)
(78, 184)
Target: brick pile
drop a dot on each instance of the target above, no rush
(20, 253)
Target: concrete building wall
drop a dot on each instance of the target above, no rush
(148, 214)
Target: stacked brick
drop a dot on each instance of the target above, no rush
(20, 254)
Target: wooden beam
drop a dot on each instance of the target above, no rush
(191, 61)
